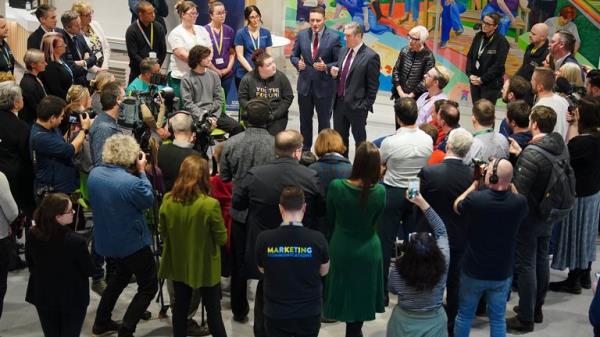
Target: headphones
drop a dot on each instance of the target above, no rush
(183, 112)
(494, 177)
(258, 101)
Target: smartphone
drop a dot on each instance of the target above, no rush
(413, 188)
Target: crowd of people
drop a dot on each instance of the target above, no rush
(431, 209)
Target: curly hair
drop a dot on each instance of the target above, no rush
(121, 150)
(423, 265)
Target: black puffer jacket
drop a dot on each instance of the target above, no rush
(532, 170)
(410, 69)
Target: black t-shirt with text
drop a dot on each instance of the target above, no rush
(291, 257)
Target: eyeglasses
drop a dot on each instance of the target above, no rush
(71, 211)
(254, 17)
(220, 13)
(412, 38)
(487, 23)
(192, 13)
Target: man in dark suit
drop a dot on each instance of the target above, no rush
(259, 192)
(316, 49)
(441, 184)
(46, 15)
(78, 56)
(357, 72)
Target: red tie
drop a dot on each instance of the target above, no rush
(315, 45)
(342, 85)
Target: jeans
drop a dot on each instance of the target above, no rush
(471, 290)
(397, 211)
(453, 286)
(61, 323)
(450, 20)
(141, 264)
(5, 247)
(239, 283)
(212, 301)
(295, 327)
(504, 23)
(533, 271)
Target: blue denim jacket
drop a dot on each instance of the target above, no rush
(104, 126)
(118, 200)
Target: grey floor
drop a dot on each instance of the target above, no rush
(565, 315)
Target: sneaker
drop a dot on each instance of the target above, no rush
(240, 319)
(515, 325)
(459, 32)
(538, 315)
(443, 44)
(194, 329)
(98, 286)
(108, 328)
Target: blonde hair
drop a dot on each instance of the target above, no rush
(81, 7)
(102, 79)
(32, 56)
(572, 73)
(183, 6)
(121, 150)
(49, 44)
(77, 94)
(329, 141)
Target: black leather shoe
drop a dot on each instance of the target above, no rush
(566, 286)
(240, 319)
(538, 315)
(99, 330)
(515, 325)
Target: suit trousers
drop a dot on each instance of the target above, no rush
(452, 287)
(212, 301)
(239, 283)
(344, 118)
(61, 322)
(481, 91)
(534, 272)
(141, 264)
(308, 104)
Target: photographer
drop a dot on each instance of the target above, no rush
(201, 91)
(105, 126)
(119, 194)
(52, 155)
(148, 67)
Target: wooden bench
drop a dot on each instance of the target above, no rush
(474, 16)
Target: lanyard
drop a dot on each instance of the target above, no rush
(482, 132)
(6, 55)
(68, 69)
(482, 47)
(214, 37)
(151, 41)
(257, 44)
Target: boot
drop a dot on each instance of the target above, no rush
(571, 285)
(538, 315)
(586, 279)
(515, 325)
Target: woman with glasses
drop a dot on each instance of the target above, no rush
(419, 280)
(249, 39)
(485, 61)
(354, 286)
(221, 36)
(413, 62)
(93, 34)
(57, 77)
(181, 39)
(193, 231)
(59, 268)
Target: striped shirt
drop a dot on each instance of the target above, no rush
(409, 298)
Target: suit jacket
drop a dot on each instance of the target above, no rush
(76, 49)
(15, 160)
(33, 92)
(34, 41)
(362, 81)
(311, 81)
(57, 80)
(441, 184)
(259, 192)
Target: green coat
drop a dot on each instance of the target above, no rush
(191, 234)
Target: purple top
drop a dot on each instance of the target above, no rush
(513, 5)
(228, 35)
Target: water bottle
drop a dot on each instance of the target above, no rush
(28, 5)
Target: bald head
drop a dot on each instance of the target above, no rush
(504, 172)
(538, 34)
(287, 142)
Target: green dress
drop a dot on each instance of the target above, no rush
(354, 285)
(192, 234)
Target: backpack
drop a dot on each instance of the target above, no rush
(559, 195)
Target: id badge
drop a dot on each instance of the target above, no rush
(152, 54)
(98, 55)
(219, 60)
(476, 64)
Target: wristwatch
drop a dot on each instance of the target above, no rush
(86, 131)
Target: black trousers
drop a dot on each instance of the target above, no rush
(211, 299)
(308, 105)
(481, 91)
(239, 284)
(345, 118)
(296, 327)
(354, 329)
(452, 286)
(229, 125)
(5, 248)
(259, 316)
(141, 264)
(61, 323)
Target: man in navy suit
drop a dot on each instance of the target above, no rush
(316, 49)
(78, 56)
(357, 74)
(46, 15)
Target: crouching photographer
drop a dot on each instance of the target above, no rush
(119, 193)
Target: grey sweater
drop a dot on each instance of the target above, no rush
(201, 92)
(8, 207)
